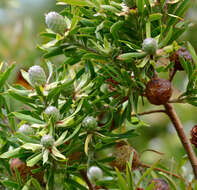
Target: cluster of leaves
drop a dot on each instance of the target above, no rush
(103, 76)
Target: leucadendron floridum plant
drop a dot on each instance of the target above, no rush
(76, 120)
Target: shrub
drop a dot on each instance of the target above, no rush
(111, 62)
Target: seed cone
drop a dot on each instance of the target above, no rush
(160, 184)
(194, 136)
(25, 171)
(182, 52)
(158, 91)
(47, 141)
(37, 75)
(56, 22)
(26, 129)
(53, 112)
(150, 46)
(122, 155)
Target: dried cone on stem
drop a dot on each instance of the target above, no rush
(160, 184)
(25, 171)
(122, 155)
(182, 52)
(158, 91)
(194, 136)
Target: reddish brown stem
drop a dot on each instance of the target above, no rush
(160, 170)
(85, 177)
(172, 74)
(185, 141)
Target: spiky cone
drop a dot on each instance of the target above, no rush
(158, 91)
(47, 141)
(53, 112)
(25, 171)
(122, 155)
(193, 134)
(56, 22)
(37, 75)
(175, 57)
(150, 46)
(160, 184)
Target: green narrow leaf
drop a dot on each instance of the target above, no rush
(147, 2)
(129, 56)
(26, 76)
(140, 6)
(45, 156)
(27, 118)
(148, 29)
(50, 68)
(193, 52)
(10, 183)
(121, 181)
(147, 172)
(10, 153)
(34, 160)
(115, 27)
(57, 153)
(4, 77)
(155, 16)
(170, 180)
(31, 146)
(75, 19)
(36, 184)
(81, 3)
(167, 38)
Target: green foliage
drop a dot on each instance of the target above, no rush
(104, 74)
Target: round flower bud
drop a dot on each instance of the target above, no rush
(26, 129)
(130, 3)
(160, 184)
(89, 123)
(122, 155)
(95, 173)
(158, 91)
(150, 46)
(37, 75)
(56, 22)
(53, 112)
(47, 141)
(182, 52)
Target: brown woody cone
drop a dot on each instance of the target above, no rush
(25, 171)
(122, 155)
(160, 184)
(182, 52)
(158, 91)
(194, 136)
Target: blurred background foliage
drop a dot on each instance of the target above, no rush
(21, 22)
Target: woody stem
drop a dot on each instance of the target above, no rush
(182, 136)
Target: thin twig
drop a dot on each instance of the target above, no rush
(185, 141)
(85, 177)
(149, 112)
(172, 74)
(161, 170)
